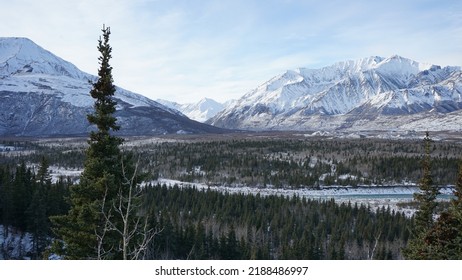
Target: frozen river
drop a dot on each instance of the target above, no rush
(373, 196)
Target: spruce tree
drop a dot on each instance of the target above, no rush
(426, 197)
(445, 238)
(428, 192)
(37, 212)
(456, 212)
(456, 202)
(84, 230)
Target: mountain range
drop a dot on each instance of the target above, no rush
(200, 111)
(374, 93)
(44, 95)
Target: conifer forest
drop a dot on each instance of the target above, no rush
(193, 223)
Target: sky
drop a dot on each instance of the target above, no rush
(185, 50)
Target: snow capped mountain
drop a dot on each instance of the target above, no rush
(42, 94)
(348, 95)
(22, 56)
(201, 111)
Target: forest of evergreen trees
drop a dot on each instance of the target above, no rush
(210, 225)
(28, 199)
(270, 161)
(295, 163)
(195, 224)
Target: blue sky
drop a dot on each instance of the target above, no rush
(186, 50)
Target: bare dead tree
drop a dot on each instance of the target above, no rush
(108, 226)
(371, 256)
(133, 229)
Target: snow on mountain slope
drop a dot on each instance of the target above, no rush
(22, 56)
(201, 111)
(346, 94)
(42, 94)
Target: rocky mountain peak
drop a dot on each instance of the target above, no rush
(345, 94)
(21, 56)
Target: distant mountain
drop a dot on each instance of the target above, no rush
(44, 95)
(372, 93)
(201, 111)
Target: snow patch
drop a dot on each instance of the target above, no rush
(14, 244)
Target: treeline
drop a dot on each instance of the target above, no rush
(282, 163)
(66, 154)
(295, 163)
(211, 225)
(27, 199)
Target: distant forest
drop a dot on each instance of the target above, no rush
(267, 162)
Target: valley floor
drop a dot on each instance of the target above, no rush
(379, 170)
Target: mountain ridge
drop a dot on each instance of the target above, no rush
(44, 95)
(346, 93)
(21, 55)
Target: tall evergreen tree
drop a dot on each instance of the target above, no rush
(445, 238)
(426, 197)
(37, 212)
(37, 219)
(84, 230)
(43, 174)
(456, 203)
(456, 212)
(428, 192)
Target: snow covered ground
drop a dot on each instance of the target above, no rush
(14, 244)
(57, 172)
